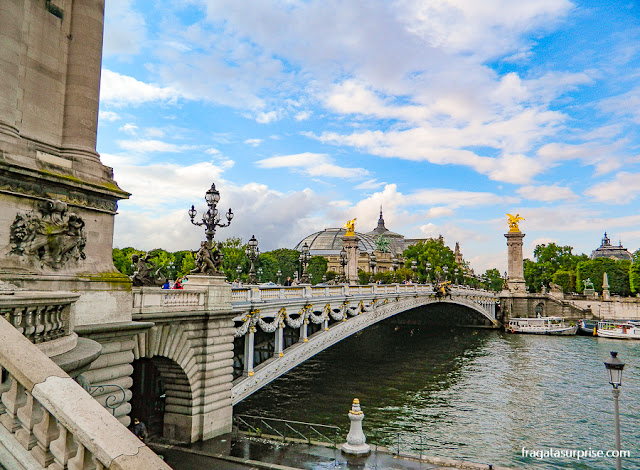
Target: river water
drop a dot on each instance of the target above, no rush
(480, 396)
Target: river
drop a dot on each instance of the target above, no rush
(480, 396)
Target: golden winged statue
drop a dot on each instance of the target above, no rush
(513, 222)
(351, 228)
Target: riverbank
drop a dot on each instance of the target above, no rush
(231, 451)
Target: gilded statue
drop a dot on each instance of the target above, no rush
(351, 228)
(513, 222)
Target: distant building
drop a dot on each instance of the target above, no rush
(607, 250)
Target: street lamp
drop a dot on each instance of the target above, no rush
(305, 256)
(428, 269)
(445, 269)
(455, 272)
(260, 274)
(279, 276)
(395, 264)
(614, 368)
(211, 218)
(253, 252)
(373, 263)
(343, 262)
(414, 268)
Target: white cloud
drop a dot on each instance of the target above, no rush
(129, 128)
(312, 164)
(124, 29)
(108, 116)
(148, 146)
(122, 90)
(623, 189)
(253, 142)
(266, 117)
(302, 115)
(370, 184)
(547, 193)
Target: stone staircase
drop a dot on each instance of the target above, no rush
(48, 421)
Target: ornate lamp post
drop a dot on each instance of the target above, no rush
(239, 271)
(211, 218)
(253, 252)
(373, 263)
(428, 269)
(279, 276)
(414, 268)
(395, 264)
(260, 274)
(455, 272)
(343, 262)
(614, 368)
(445, 269)
(305, 256)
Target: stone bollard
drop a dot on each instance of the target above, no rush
(356, 440)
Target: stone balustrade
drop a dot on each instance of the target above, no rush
(49, 421)
(155, 300)
(39, 316)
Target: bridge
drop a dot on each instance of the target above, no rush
(295, 323)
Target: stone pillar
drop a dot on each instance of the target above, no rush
(350, 243)
(249, 345)
(82, 91)
(11, 19)
(515, 279)
(356, 441)
(606, 295)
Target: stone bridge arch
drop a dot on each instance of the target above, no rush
(347, 321)
(172, 354)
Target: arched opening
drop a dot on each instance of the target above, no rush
(161, 397)
(539, 310)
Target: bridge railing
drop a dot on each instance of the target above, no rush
(155, 299)
(39, 316)
(49, 421)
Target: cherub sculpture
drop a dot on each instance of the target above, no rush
(513, 222)
(208, 261)
(351, 228)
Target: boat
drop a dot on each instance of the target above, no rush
(541, 326)
(622, 329)
(587, 327)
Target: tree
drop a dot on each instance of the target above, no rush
(233, 250)
(548, 260)
(431, 251)
(317, 268)
(493, 280)
(634, 273)
(287, 261)
(617, 272)
(566, 280)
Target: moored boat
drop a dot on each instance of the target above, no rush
(541, 326)
(587, 327)
(621, 329)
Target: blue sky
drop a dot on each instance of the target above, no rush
(305, 114)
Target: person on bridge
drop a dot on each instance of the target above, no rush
(288, 281)
(178, 284)
(139, 429)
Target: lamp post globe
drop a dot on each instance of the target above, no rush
(253, 252)
(304, 258)
(614, 368)
(211, 218)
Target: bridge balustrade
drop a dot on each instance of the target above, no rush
(155, 299)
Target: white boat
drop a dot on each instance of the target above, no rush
(541, 326)
(623, 329)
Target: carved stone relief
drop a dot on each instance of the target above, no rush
(51, 236)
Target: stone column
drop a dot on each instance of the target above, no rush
(606, 295)
(515, 272)
(249, 345)
(350, 243)
(356, 441)
(82, 91)
(11, 19)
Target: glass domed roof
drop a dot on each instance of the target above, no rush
(329, 242)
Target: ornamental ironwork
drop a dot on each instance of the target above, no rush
(51, 236)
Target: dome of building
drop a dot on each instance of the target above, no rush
(397, 242)
(329, 242)
(607, 250)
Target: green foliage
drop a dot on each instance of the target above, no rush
(122, 259)
(234, 256)
(287, 261)
(634, 273)
(364, 277)
(269, 265)
(617, 272)
(317, 268)
(386, 277)
(431, 251)
(493, 280)
(566, 280)
(548, 260)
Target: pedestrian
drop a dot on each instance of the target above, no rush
(178, 284)
(139, 429)
(288, 281)
(166, 285)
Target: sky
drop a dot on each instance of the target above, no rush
(307, 113)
